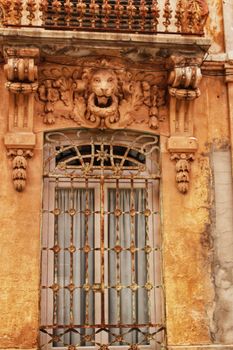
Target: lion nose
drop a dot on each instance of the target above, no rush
(104, 90)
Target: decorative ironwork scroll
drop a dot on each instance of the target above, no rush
(93, 182)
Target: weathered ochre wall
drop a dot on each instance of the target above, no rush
(19, 247)
(214, 27)
(188, 246)
(186, 220)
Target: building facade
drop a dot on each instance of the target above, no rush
(116, 182)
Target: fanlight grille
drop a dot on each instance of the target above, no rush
(116, 153)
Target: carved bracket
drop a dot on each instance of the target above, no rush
(19, 164)
(22, 83)
(183, 88)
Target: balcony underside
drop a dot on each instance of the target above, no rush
(139, 47)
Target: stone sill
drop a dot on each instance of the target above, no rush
(40, 36)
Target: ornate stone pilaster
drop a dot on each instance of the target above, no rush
(183, 90)
(21, 74)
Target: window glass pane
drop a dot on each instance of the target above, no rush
(124, 268)
(77, 269)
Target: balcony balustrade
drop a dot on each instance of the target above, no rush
(184, 17)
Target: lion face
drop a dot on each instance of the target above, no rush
(104, 87)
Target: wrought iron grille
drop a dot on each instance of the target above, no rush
(133, 16)
(101, 282)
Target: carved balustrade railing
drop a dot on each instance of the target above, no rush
(134, 16)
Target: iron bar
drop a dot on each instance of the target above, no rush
(86, 251)
(106, 325)
(107, 176)
(102, 246)
(55, 285)
(94, 287)
(117, 213)
(148, 248)
(71, 285)
(134, 286)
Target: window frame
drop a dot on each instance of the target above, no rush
(49, 196)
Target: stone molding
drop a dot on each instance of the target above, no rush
(229, 72)
(22, 83)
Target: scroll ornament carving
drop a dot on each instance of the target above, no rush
(21, 74)
(102, 97)
(183, 169)
(183, 82)
(19, 164)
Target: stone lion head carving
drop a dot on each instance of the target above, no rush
(104, 85)
(103, 95)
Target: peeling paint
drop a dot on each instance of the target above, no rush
(214, 26)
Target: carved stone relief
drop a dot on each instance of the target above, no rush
(101, 93)
(19, 164)
(183, 168)
(97, 94)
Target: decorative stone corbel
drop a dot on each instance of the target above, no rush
(183, 90)
(22, 83)
(19, 163)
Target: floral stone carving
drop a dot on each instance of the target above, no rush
(101, 96)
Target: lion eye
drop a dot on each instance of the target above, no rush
(110, 80)
(97, 80)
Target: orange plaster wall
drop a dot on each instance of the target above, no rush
(19, 247)
(186, 233)
(214, 27)
(187, 219)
